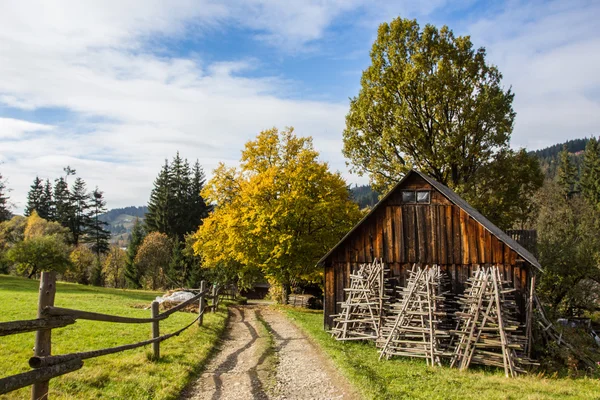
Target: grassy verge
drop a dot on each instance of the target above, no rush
(267, 356)
(126, 375)
(412, 379)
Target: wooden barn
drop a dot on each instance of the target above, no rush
(420, 221)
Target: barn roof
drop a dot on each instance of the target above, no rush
(460, 202)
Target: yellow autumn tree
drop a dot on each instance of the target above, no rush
(113, 268)
(280, 211)
(153, 258)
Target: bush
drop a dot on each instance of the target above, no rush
(314, 303)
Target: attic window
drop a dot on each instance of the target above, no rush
(423, 196)
(408, 196)
(419, 196)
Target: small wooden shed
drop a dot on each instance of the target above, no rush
(421, 221)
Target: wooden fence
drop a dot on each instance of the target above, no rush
(47, 366)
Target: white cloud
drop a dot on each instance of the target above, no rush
(11, 128)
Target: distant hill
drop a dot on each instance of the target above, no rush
(120, 222)
(364, 196)
(549, 155)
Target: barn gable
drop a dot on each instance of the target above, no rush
(441, 195)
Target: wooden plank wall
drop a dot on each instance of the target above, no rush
(432, 234)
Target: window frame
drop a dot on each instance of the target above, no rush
(414, 193)
(428, 196)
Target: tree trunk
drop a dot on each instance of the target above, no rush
(285, 293)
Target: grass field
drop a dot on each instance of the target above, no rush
(412, 379)
(126, 375)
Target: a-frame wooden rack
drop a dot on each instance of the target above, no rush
(413, 328)
(487, 329)
(362, 311)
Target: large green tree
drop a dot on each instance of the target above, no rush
(432, 102)
(280, 211)
(566, 176)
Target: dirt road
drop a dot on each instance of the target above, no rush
(265, 356)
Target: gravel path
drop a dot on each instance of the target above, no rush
(241, 370)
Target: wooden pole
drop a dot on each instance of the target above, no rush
(155, 331)
(43, 337)
(214, 298)
(529, 330)
(202, 303)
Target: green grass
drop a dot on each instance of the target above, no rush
(412, 379)
(126, 375)
(267, 355)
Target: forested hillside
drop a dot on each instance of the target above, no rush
(133, 211)
(364, 196)
(120, 222)
(549, 156)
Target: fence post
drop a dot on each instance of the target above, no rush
(155, 331)
(214, 298)
(43, 337)
(202, 304)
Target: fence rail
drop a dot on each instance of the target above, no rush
(46, 366)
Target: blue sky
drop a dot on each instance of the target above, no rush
(111, 88)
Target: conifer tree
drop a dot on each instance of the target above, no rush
(97, 277)
(179, 186)
(159, 215)
(176, 206)
(46, 208)
(5, 213)
(198, 209)
(63, 211)
(133, 274)
(80, 210)
(177, 272)
(567, 174)
(96, 232)
(35, 197)
(590, 175)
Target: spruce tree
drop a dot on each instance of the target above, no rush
(35, 197)
(133, 274)
(46, 208)
(80, 210)
(179, 186)
(198, 209)
(97, 277)
(5, 213)
(96, 232)
(159, 217)
(590, 175)
(567, 174)
(63, 210)
(177, 272)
